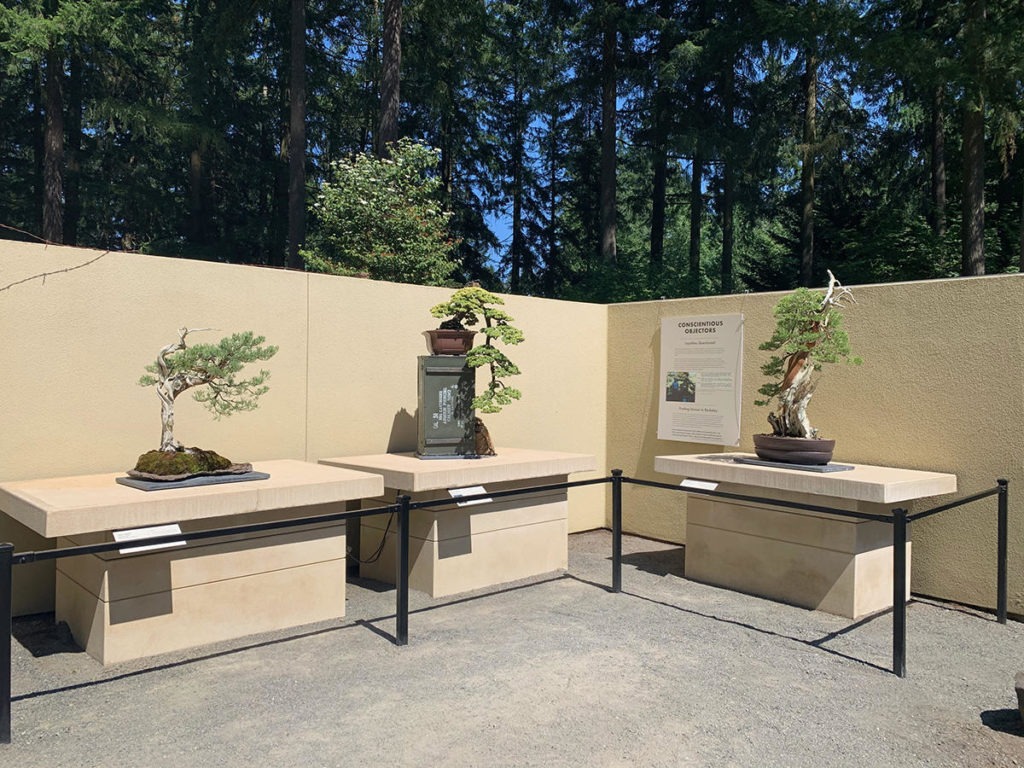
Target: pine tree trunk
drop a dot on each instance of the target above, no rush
(517, 249)
(696, 218)
(387, 132)
(938, 217)
(728, 177)
(608, 131)
(973, 240)
(659, 145)
(196, 214)
(53, 148)
(38, 146)
(72, 184)
(297, 135)
(973, 245)
(371, 82)
(807, 169)
(658, 189)
(1020, 236)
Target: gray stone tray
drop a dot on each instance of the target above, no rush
(802, 467)
(163, 485)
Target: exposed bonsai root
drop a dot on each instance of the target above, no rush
(484, 444)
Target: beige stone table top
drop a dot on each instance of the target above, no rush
(406, 472)
(65, 506)
(881, 485)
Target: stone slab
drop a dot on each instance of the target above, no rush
(879, 485)
(454, 549)
(253, 600)
(68, 506)
(454, 565)
(407, 472)
(449, 521)
(822, 562)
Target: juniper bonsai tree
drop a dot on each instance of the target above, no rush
(808, 334)
(179, 367)
(466, 310)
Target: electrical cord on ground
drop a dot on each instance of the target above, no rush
(380, 547)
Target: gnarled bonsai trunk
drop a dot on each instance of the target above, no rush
(169, 387)
(790, 418)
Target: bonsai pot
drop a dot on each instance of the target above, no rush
(794, 450)
(450, 342)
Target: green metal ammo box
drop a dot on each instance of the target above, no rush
(447, 387)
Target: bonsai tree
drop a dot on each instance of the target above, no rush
(473, 308)
(808, 334)
(179, 367)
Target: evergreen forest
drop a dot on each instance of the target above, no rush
(601, 150)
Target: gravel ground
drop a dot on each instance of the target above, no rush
(553, 671)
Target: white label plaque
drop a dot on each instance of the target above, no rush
(133, 534)
(699, 485)
(473, 490)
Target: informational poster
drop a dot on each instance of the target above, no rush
(701, 379)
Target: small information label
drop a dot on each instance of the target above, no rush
(699, 485)
(134, 534)
(473, 490)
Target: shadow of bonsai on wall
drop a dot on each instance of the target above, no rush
(403, 433)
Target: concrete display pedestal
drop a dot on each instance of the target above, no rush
(835, 564)
(453, 549)
(122, 607)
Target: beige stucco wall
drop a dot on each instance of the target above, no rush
(941, 388)
(343, 382)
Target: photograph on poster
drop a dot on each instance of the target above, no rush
(680, 387)
(701, 368)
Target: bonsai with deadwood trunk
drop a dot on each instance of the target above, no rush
(179, 368)
(808, 334)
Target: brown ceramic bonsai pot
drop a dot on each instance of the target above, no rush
(794, 450)
(450, 342)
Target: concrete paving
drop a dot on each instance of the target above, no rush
(551, 671)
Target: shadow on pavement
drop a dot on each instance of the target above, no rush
(1004, 721)
(41, 636)
(660, 562)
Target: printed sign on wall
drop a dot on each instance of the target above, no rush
(701, 379)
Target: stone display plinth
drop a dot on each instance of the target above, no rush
(127, 606)
(837, 564)
(457, 548)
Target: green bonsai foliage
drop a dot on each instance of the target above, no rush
(808, 334)
(466, 310)
(179, 367)
(382, 218)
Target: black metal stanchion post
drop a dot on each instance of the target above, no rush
(616, 530)
(1004, 524)
(899, 592)
(402, 574)
(6, 609)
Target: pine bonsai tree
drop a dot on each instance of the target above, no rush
(464, 311)
(179, 367)
(808, 334)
